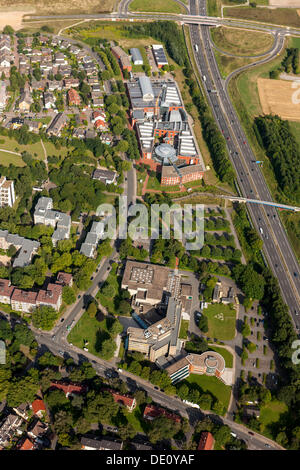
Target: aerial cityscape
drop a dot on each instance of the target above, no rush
(150, 227)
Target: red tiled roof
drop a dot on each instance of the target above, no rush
(51, 295)
(122, 399)
(27, 445)
(73, 96)
(152, 411)
(19, 295)
(64, 278)
(206, 441)
(5, 287)
(68, 388)
(38, 405)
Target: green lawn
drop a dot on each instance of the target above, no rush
(165, 6)
(184, 329)
(12, 144)
(228, 357)
(213, 385)
(270, 415)
(135, 418)
(7, 158)
(86, 329)
(221, 321)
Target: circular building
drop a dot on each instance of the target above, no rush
(209, 362)
(165, 154)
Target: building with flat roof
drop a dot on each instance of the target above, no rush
(89, 247)
(208, 363)
(163, 130)
(7, 192)
(25, 248)
(159, 55)
(101, 444)
(44, 214)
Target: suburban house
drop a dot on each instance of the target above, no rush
(25, 444)
(152, 411)
(9, 427)
(38, 407)
(57, 124)
(69, 388)
(125, 400)
(73, 97)
(105, 176)
(49, 100)
(3, 95)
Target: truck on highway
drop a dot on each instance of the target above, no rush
(196, 47)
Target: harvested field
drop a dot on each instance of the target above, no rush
(60, 6)
(284, 3)
(279, 97)
(13, 18)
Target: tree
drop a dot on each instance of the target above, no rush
(8, 30)
(162, 428)
(68, 295)
(92, 310)
(107, 349)
(44, 317)
(246, 330)
(203, 323)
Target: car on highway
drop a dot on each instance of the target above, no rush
(268, 446)
(61, 353)
(79, 296)
(251, 433)
(61, 320)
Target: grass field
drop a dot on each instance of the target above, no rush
(214, 8)
(135, 418)
(165, 6)
(184, 329)
(270, 415)
(87, 330)
(213, 385)
(241, 42)
(280, 16)
(228, 64)
(221, 321)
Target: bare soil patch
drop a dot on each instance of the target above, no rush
(279, 97)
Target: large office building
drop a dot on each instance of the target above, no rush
(7, 192)
(166, 139)
(158, 288)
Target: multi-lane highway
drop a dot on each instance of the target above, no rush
(278, 252)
